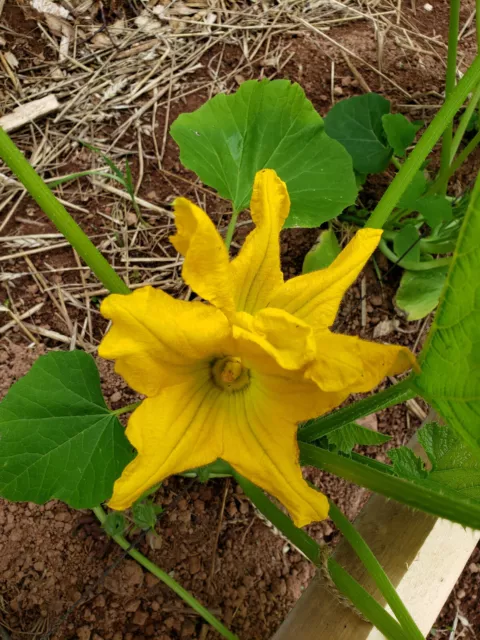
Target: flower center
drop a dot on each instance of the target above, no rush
(229, 374)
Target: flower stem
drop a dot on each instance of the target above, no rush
(166, 579)
(450, 78)
(127, 409)
(365, 603)
(424, 146)
(231, 228)
(57, 213)
(376, 571)
(319, 427)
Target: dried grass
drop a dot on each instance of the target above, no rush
(111, 80)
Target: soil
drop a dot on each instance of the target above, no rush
(50, 555)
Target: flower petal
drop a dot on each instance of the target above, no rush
(158, 341)
(300, 397)
(351, 365)
(273, 339)
(315, 297)
(261, 444)
(256, 269)
(206, 267)
(173, 432)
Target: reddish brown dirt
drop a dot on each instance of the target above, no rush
(51, 555)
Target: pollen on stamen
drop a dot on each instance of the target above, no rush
(229, 374)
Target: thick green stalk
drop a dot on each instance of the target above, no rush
(57, 213)
(365, 603)
(170, 582)
(377, 573)
(450, 78)
(431, 498)
(319, 427)
(426, 143)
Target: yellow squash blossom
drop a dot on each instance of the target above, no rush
(233, 378)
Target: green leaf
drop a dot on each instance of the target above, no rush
(435, 209)
(58, 438)
(406, 464)
(450, 362)
(419, 292)
(414, 190)
(144, 514)
(400, 132)
(345, 438)
(406, 243)
(357, 123)
(323, 253)
(453, 463)
(268, 124)
(115, 524)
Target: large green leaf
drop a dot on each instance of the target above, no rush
(406, 464)
(57, 437)
(268, 124)
(419, 292)
(453, 464)
(450, 363)
(357, 123)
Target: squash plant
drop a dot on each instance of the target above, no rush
(245, 384)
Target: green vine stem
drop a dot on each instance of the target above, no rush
(424, 146)
(411, 265)
(450, 78)
(319, 427)
(166, 579)
(231, 228)
(127, 408)
(57, 213)
(365, 603)
(417, 494)
(376, 571)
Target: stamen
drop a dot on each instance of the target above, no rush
(229, 374)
